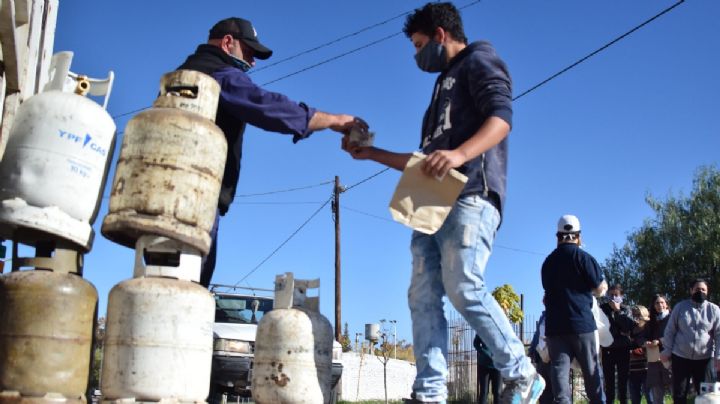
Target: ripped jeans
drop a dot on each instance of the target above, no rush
(452, 262)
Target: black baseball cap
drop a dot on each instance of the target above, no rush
(241, 29)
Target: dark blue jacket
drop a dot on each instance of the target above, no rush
(475, 86)
(242, 102)
(569, 275)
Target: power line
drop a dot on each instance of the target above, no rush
(278, 203)
(284, 242)
(334, 41)
(368, 214)
(283, 190)
(329, 43)
(602, 48)
(332, 58)
(366, 179)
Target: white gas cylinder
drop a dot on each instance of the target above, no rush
(709, 394)
(293, 348)
(159, 337)
(56, 161)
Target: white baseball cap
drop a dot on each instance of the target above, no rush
(568, 224)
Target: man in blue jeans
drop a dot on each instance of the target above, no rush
(465, 127)
(570, 277)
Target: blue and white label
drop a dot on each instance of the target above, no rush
(84, 141)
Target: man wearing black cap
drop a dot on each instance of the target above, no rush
(230, 52)
(570, 277)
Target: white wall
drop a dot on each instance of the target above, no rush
(400, 377)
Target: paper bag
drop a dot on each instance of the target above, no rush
(422, 202)
(653, 353)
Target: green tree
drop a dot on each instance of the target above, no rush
(509, 301)
(345, 339)
(680, 243)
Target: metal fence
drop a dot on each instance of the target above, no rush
(462, 356)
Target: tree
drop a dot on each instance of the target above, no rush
(679, 244)
(384, 353)
(509, 301)
(345, 339)
(97, 352)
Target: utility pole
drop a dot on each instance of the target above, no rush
(336, 211)
(522, 322)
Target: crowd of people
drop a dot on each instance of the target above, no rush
(655, 350)
(649, 352)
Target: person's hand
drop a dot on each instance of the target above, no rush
(664, 357)
(439, 162)
(357, 152)
(344, 123)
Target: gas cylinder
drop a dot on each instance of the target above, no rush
(47, 319)
(171, 164)
(159, 340)
(56, 161)
(293, 348)
(709, 394)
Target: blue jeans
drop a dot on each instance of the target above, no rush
(452, 262)
(563, 349)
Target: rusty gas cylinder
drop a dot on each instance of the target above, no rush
(46, 331)
(168, 176)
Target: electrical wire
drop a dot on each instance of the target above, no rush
(600, 49)
(283, 190)
(365, 180)
(334, 41)
(284, 242)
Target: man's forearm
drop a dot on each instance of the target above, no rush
(337, 122)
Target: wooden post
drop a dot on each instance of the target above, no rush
(336, 211)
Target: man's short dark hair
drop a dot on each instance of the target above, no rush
(696, 281)
(425, 20)
(617, 287)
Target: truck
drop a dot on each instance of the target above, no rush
(238, 310)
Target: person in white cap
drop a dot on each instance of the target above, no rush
(571, 277)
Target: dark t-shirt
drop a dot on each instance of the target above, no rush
(569, 274)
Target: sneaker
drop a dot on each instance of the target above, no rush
(523, 391)
(413, 400)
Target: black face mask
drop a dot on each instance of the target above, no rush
(699, 297)
(432, 58)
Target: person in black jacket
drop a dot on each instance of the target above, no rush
(616, 357)
(488, 377)
(229, 53)
(658, 377)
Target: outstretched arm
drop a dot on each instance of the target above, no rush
(394, 160)
(338, 122)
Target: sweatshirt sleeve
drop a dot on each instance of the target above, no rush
(490, 84)
(273, 112)
(670, 331)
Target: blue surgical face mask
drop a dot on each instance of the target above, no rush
(617, 299)
(240, 64)
(432, 58)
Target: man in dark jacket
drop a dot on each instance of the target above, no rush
(230, 52)
(616, 357)
(465, 127)
(572, 278)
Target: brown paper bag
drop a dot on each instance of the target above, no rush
(422, 202)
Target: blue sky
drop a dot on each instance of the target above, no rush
(636, 119)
